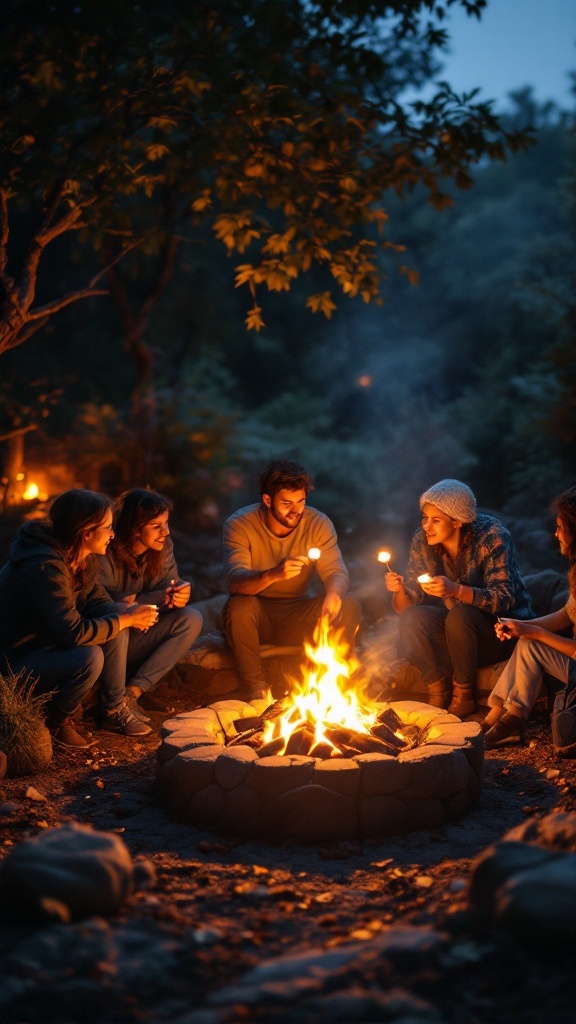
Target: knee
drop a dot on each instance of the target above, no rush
(189, 621)
(526, 648)
(462, 618)
(241, 609)
(460, 615)
(93, 658)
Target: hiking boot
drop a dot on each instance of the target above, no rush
(122, 720)
(463, 701)
(67, 735)
(507, 732)
(439, 693)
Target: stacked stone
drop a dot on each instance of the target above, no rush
(232, 791)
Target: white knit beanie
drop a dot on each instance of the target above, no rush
(452, 497)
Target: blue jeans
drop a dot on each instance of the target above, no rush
(69, 673)
(450, 644)
(143, 658)
(521, 680)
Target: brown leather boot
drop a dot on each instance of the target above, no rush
(463, 700)
(439, 693)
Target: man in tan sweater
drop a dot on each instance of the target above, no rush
(274, 585)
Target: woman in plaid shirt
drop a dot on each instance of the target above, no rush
(447, 619)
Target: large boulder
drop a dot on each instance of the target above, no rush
(69, 873)
(525, 885)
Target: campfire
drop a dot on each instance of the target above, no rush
(326, 715)
(326, 761)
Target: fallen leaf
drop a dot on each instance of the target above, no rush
(424, 881)
(34, 794)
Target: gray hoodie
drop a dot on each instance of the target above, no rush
(43, 603)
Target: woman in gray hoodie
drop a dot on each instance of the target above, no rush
(55, 615)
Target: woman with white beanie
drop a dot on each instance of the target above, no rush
(447, 620)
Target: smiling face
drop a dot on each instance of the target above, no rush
(152, 536)
(284, 511)
(440, 528)
(97, 538)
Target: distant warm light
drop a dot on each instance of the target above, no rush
(31, 492)
(314, 554)
(20, 476)
(425, 578)
(365, 381)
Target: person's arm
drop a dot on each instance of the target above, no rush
(405, 594)
(240, 576)
(167, 589)
(544, 630)
(402, 596)
(53, 605)
(497, 563)
(254, 581)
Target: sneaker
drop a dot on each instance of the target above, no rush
(67, 735)
(133, 706)
(507, 732)
(122, 720)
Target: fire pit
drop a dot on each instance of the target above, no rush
(379, 769)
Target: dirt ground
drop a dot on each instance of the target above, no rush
(218, 908)
(236, 904)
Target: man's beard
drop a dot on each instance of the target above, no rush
(289, 524)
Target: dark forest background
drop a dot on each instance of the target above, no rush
(466, 369)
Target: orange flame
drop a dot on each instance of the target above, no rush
(326, 696)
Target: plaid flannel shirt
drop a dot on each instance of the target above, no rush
(486, 560)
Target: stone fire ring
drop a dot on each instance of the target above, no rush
(233, 792)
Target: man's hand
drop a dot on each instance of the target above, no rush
(331, 606)
(291, 566)
(178, 593)
(441, 586)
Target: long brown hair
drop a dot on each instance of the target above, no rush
(564, 508)
(132, 510)
(73, 512)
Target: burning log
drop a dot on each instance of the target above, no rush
(383, 732)
(391, 719)
(324, 751)
(300, 741)
(256, 722)
(363, 743)
(249, 724)
(271, 748)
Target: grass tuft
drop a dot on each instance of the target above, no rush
(24, 737)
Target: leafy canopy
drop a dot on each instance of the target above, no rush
(281, 125)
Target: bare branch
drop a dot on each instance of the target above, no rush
(18, 431)
(57, 304)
